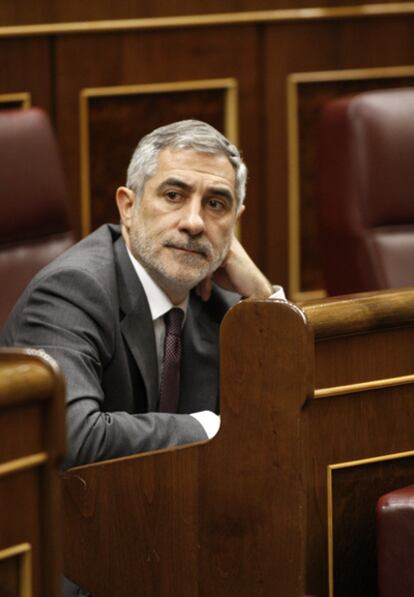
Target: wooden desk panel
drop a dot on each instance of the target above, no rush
(274, 503)
(32, 444)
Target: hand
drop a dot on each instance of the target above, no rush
(238, 273)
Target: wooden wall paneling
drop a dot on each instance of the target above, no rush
(348, 353)
(350, 500)
(339, 498)
(16, 571)
(353, 487)
(260, 56)
(162, 57)
(299, 48)
(285, 46)
(33, 442)
(329, 370)
(25, 67)
(113, 118)
(48, 11)
(344, 327)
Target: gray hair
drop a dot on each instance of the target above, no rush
(185, 134)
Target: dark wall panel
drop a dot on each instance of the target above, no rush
(166, 57)
(25, 67)
(262, 57)
(115, 124)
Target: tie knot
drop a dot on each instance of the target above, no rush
(174, 320)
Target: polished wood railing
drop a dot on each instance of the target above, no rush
(31, 447)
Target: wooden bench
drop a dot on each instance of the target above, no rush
(317, 422)
(32, 443)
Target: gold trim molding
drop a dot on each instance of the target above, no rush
(293, 81)
(208, 20)
(25, 566)
(229, 85)
(364, 386)
(344, 465)
(24, 98)
(19, 464)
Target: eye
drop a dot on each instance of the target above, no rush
(217, 204)
(173, 196)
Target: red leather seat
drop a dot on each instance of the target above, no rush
(366, 191)
(395, 528)
(35, 223)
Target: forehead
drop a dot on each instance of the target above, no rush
(194, 166)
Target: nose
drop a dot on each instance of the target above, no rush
(192, 221)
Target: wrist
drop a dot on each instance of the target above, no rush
(262, 289)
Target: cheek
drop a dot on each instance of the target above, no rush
(164, 224)
(220, 244)
(155, 228)
(222, 234)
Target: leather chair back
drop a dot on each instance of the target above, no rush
(35, 224)
(395, 544)
(366, 191)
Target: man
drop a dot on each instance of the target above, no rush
(99, 309)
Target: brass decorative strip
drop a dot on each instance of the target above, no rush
(24, 98)
(352, 74)
(19, 464)
(25, 566)
(205, 20)
(371, 460)
(15, 550)
(330, 530)
(294, 264)
(364, 386)
(228, 85)
(26, 584)
(169, 87)
(84, 153)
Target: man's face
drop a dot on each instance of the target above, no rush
(182, 228)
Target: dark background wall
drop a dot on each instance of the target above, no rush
(259, 76)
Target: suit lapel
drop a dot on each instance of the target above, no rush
(200, 360)
(136, 323)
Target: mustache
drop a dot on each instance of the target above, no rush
(191, 245)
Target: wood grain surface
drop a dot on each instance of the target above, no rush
(277, 503)
(32, 432)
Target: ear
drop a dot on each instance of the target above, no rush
(125, 200)
(240, 212)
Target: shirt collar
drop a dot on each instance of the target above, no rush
(159, 302)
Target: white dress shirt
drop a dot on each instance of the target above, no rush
(159, 305)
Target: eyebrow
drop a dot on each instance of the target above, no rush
(177, 182)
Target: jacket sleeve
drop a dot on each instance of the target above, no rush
(81, 340)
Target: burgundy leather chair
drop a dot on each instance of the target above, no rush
(35, 224)
(395, 530)
(366, 191)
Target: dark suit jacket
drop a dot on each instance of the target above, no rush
(88, 310)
